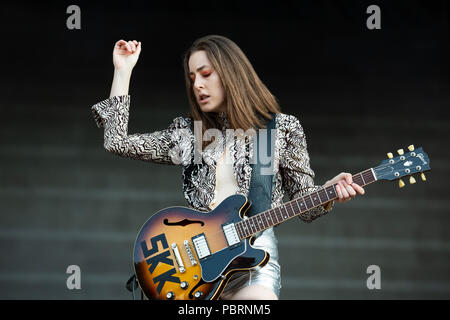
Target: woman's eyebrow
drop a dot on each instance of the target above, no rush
(199, 68)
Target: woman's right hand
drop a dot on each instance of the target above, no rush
(126, 54)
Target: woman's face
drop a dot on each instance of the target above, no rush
(206, 83)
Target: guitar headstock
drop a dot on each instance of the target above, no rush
(405, 164)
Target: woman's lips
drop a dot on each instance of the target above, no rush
(204, 100)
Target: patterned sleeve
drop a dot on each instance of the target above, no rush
(298, 177)
(168, 146)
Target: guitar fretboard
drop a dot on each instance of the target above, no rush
(295, 207)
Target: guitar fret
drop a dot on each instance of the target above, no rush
(275, 214)
(252, 225)
(331, 192)
(284, 213)
(278, 215)
(249, 227)
(293, 210)
(308, 203)
(362, 177)
(260, 222)
(244, 227)
(315, 198)
(302, 205)
(244, 232)
(323, 196)
(264, 220)
(271, 217)
(238, 229)
(267, 216)
(358, 179)
(288, 209)
(368, 176)
(326, 193)
(296, 203)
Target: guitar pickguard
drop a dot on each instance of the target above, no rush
(213, 265)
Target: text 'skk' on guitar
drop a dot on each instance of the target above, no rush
(186, 254)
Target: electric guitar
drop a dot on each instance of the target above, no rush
(185, 254)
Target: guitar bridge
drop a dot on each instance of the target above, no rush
(189, 252)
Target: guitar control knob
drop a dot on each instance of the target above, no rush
(198, 294)
(170, 295)
(184, 285)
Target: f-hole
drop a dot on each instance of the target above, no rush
(183, 222)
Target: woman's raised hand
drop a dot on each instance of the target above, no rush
(126, 54)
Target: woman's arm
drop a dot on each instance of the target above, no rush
(298, 177)
(125, 57)
(121, 83)
(168, 146)
(113, 114)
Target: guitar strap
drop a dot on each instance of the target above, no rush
(261, 183)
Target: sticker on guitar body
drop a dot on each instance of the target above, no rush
(162, 257)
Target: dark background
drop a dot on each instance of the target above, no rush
(358, 93)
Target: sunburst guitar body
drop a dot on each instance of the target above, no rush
(186, 254)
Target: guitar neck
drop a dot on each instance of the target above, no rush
(288, 210)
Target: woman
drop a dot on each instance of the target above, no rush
(224, 93)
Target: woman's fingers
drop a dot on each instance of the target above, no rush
(345, 187)
(132, 46)
(350, 190)
(129, 46)
(344, 191)
(358, 188)
(339, 192)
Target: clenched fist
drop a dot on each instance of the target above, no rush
(126, 54)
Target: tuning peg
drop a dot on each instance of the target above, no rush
(390, 155)
(400, 152)
(401, 184)
(412, 180)
(422, 175)
(411, 147)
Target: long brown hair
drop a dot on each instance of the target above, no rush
(248, 101)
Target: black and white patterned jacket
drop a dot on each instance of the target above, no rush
(175, 145)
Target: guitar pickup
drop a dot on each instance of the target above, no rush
(201, 246)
